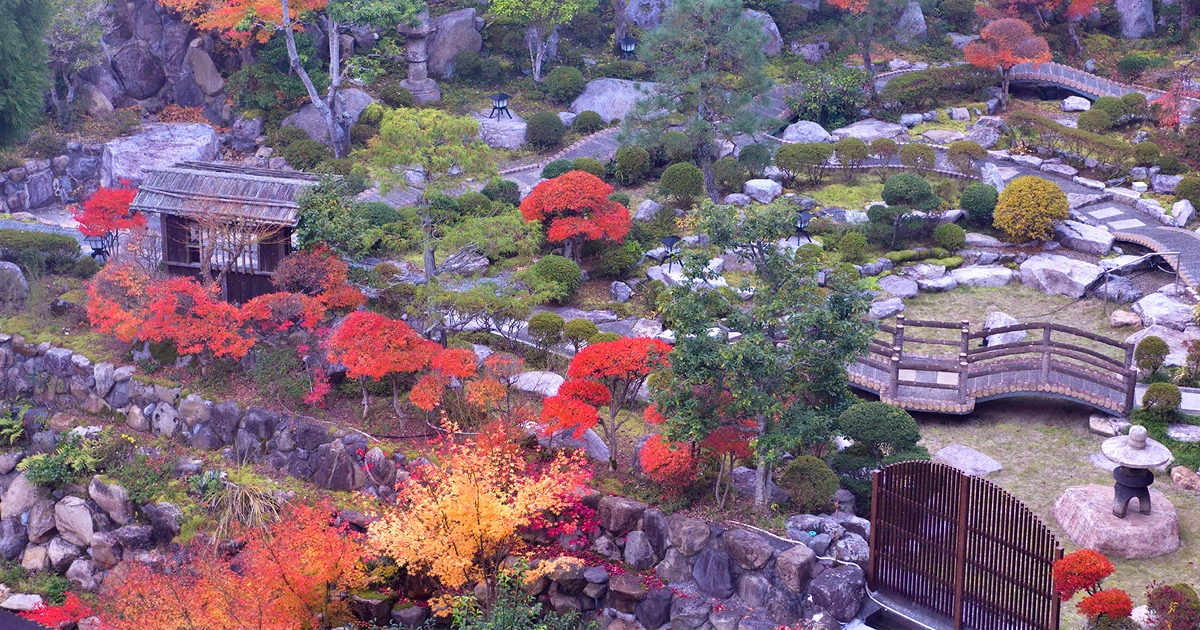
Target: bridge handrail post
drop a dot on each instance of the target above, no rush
(1046, 353)
(1129, 378)
(963, 348)
(897, 354)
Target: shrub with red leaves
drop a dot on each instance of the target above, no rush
(65, 615)
(1172, 607)
(1113, 603)
(671, 466)
(1081, 571)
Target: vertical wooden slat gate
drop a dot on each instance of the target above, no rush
(961, 547)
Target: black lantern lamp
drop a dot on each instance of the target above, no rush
(670, 242)
(500, 105)
(802, 227)
(627, 45)
(99, 246)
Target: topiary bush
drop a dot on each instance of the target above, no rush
(546, 329)
(1095, 121)
(395, 96)
(1189, 188)
(1028, 209)
(556, 168)
(810, 482)
(560, 271)
(1111, 105)
(1146, 153)
(619, 259)
(57, 251)
(881, 429)
(564, 83)
(304, 154)
(587, 122)
(1150, 354)
(503, 190)
(603, 337)
(884, 149)
(729, 175)
(1173, 606)
(979, 201)
(1135, 104)
(683, 181)
(473, 204)
(545, 131)
(589, 165)
(631, 165)
(578, 331)
(755, 158)
(963, 154)
(1162, 401)
(378, 213)
(911, 190)
(919, 157)
(950, 237)
(1170, 164)
(852, 246)
(809, 158)
(677, 147)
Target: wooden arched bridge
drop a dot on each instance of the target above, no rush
(918, 371)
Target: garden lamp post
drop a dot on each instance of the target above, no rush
(1134, 454)
(99, 246)
(802, 228)
(670, 242)
(500, 105)
(628, 44)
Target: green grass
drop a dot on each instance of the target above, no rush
(853, 197)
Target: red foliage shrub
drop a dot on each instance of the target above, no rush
(670, 465)
(1113, 603)
(1172, 607)
(1081, 570)
(62, 616)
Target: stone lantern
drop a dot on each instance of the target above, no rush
(424, 89)
(1134, 454)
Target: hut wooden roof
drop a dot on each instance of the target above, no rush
(196, 188)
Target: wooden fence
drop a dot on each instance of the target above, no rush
(962, 547)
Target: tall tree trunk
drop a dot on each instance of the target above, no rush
(1004, 75)
(72, 81)
(618, 7)
(611, 430)
(760, 484)
(338, 130)
(538, 41)
(867, 35)
(710, 180)
(1074, 37)
(366, 402)
(335, 130)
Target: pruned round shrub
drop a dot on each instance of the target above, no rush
(1028, 209)
(393, 95)
(545, 131)
(1162, 400)
(587, 122)
(503, 190)
(851, 152)
(909, 189)
(632, 164)
(589, 165)
(683, 181)
(810, 482)
(556, 168)
(804, 158)
(880, 428)
(1150, 354)
(564, 83)
(473, 204)
(1189, 188)
(1146, 153)
(920, 157)
(560, 271)
(304, 154)
(884, 149)
(546, 328)
(379, 213)
(1135, 103)
(578, 331)
(755, 158)
(729, 175)
(619, 259)
(852, 246)
(1095, 121)
(963, 154)
(979, 201)
(85, 268)
(677, 147)
(1111, 105)
(603, 337)
(950, 237)
(1170, 164)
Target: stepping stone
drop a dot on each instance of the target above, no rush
(1104, 213)
(1102, 462)
(1106, 425)
(968, 460)
(1184, 432)
(1126, 224)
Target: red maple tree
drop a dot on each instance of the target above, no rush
(1004, 44)
(194, 318)
(671, 465)
(575, 208)
(1081, 570)
(607, 373)
(117, 300)
(105, 214)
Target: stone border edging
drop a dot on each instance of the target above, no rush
(558, 155)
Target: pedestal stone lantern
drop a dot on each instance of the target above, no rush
(1135, 454)
(424, 89)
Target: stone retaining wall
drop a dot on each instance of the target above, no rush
(63, 179)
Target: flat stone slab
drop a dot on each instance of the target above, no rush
(1184, 432)
(1108, 426)
(22, 602)
(1085, 513)
(1126, 224)
(968, 460)
(1103, 463)
(537, 382)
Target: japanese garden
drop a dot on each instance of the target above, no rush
(599, 315)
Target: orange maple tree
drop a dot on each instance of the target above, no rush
(194, 318)
(607, 373)
(669, 464)
(319, 273)
(117, 300)
(575, 208)
(1004, 44)
(105, 214)
(284, 578)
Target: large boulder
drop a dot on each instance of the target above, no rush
(982, 275)
(639, 553)
(870, 130)
(899, 286)
(138, 70)
(883, 309)
(806, 131)
(1075, 104)
(762, 190)
(112, 498)
(619, 514)
(1084, 238)
(156, 146)
(712, 575)
(688, 535)
(312, 123)
(911, 26)
(611, 98)
(204, 71)
(997, 319)
(1085, 513)
(13, 537)
(337, 469)
(1137, 18)
(1059, 275)
(1162, 310)
(13, 286)
(20, 496)
(748, 549)
(773, 41)
(454, 32)
(501, 132)
(73, 520)
(646, 13)
(794, 567)
(839, 591)
(94, 100)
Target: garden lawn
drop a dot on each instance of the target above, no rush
(1044, 445)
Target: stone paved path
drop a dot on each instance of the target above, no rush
(601, 146)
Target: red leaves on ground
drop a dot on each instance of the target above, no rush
(61, 616)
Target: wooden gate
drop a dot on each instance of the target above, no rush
(961, 547)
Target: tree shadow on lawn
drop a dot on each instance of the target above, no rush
(1044, 445)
